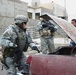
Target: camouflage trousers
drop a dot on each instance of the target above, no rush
(12, 68)
(47, 45)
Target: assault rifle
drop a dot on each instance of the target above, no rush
(49, 26)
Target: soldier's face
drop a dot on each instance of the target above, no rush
(73, 22)
(24, 25)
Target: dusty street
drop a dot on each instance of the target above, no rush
(3, 72)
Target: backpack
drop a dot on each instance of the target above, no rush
(26, 43)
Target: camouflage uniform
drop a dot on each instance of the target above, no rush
(46, 37)
(8, 39)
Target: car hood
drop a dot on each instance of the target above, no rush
(65, 25)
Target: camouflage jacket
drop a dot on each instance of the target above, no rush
(46, 28)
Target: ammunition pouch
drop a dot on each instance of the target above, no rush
(45, 32)
(52, 33)
(8, 52)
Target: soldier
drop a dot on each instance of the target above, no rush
(46, 30)
(72, 43)
(15, 40)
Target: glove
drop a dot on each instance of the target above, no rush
(35, 48)
(44, 25)
(51, 28)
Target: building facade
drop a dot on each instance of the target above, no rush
(34, 11)
(10, 8)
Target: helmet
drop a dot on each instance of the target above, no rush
(45, 16)
(20, 19)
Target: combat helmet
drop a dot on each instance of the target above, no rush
(19, 19)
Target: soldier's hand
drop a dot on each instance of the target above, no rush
(12, 45)
(44, 25)
(38, 51)
(35, 48)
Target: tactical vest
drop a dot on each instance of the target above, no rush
(21, 40)
(46, 31)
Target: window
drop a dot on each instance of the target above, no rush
(29, 15)
(37, 15)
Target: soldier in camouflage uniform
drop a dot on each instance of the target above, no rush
(46, 30)
(15, 40)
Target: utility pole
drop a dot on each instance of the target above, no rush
(65, 13)
(65, 4)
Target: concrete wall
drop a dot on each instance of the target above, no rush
(44, 10)
(8, 10)
(31, 27)
(59, 11)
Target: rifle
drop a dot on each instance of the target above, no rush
(49, 26)
(17, 54)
